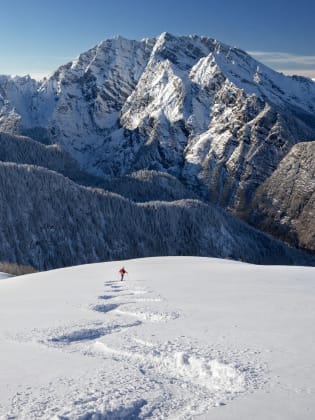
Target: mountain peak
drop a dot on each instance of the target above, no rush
(198, 109)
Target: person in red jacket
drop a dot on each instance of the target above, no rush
(122, 272)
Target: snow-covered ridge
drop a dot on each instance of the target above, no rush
(100, 81)
(202, 111)
(86, 96)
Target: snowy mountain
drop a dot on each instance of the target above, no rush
(181, 338)
(196, 109)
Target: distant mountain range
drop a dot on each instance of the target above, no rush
(165, 119)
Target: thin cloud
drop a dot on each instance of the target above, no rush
(282, 57)
(287, 63)
(301, 72)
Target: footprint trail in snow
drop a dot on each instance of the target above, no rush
(136, 377)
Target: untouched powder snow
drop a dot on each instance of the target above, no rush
(180, 338)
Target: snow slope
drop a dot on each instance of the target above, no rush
(181, 338)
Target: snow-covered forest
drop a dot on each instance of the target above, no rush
(48, 221)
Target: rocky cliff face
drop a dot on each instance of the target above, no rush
(284, 204)
(205, 113)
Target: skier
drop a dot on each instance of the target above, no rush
(122, 272)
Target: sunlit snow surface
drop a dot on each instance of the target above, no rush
(180, 338)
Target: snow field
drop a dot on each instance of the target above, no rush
(173, 342)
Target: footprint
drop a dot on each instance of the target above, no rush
(105, 308)
(62, 336)
(106, 297)
(80, 335)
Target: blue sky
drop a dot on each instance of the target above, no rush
(38, 36)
